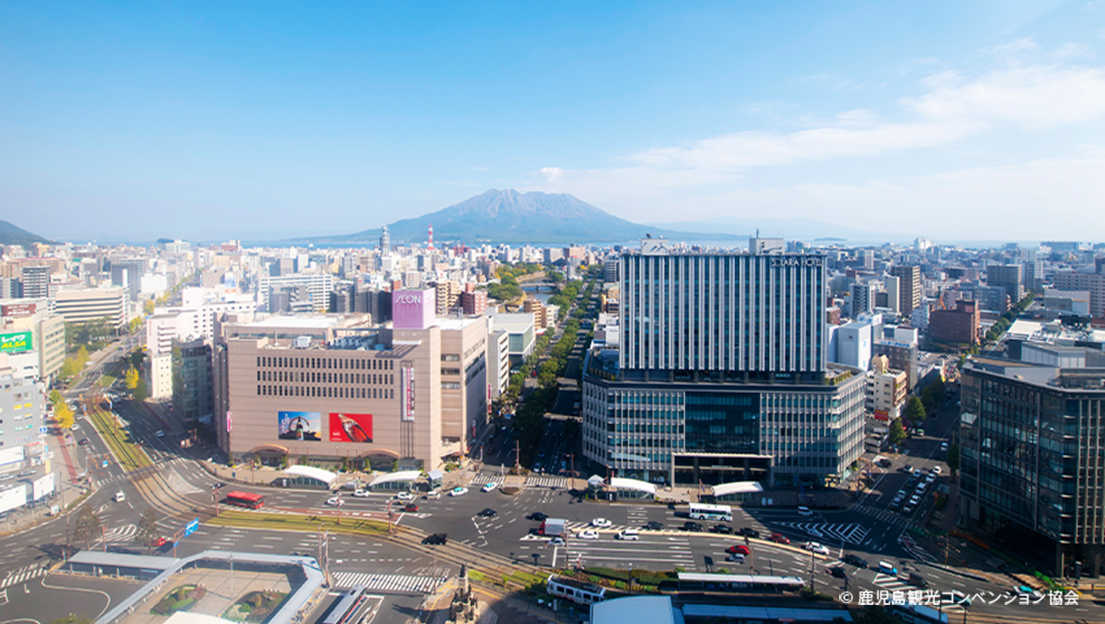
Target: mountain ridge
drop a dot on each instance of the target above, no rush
(11, 234)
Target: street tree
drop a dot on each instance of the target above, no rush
(953, 458)
(87, 526)
(131, 378)
(63, 415)
(914, 410)
(72, 618)
(56, 398)
(141, 392)
(897, 432)
(147, 530)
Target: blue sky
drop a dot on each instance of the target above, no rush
(948, 120)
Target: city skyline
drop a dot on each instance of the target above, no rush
(212, 122)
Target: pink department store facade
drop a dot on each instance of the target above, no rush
(334, 390)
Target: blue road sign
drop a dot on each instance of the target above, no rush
(42, 429)
(105, 463)
(191, 527)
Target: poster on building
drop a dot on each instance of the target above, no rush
(13, 498)
(351, 428)
(42, 487)
(407, 376)
(13, 455)
(11, 310)
(15, 342)
(300, 426)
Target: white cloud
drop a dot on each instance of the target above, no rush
(552, 175)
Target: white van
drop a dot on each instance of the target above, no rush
(119, 497)
(628, 534)
(804, 511)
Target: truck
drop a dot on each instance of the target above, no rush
(553, 527)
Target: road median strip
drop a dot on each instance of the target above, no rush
(130, 456)
(298, 522)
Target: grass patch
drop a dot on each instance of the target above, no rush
(106, 380)
(182, 598)
(255, 606)
(131, 456)
(297, 522)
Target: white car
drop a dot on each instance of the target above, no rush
(815, 533)
(628, 534)
(405, 496)
(820, 549)
(601, 523)
(335, 501)
(589, 534)
(489, 487)
(458, 491)
(360, 493)
(556, 541)
(160, 433)
(937, 470)
(433, 495)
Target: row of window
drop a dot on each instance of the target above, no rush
(272, 361)
(326, 392)
(325, 377)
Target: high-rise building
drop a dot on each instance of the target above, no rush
(1092, 282)
(721, 374)
(91, 304)
(958, 326)
(909, 287)
(1031, 448)
(1009, 277)
(36, 282)
(192, 390)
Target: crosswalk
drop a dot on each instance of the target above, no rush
(851, 532)
(180, 485)
(893, 584)
(532, 480)
(116, 535)
(20, 575)
(394, 583)
(884, 516)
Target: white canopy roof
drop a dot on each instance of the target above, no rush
(738, 487)
(402, 475)
(619, 483)
(311, 472)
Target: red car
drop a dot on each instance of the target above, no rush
(410, 508)
(738, 548)
(161, 541)
(779, 538)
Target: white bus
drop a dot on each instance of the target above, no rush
(576, 591)
(702, 511)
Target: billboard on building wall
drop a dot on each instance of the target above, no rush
(18, 309)
(11, 455)
(16, 342)
(300, 425)
(407, 376)
(351, 428)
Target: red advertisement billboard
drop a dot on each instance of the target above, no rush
(351, 428)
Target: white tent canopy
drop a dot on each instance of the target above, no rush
(738, 487)
(637, 485)
(402, 475)
(311, 472)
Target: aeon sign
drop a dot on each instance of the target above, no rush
(412, 309)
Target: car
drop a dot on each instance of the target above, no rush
(814, 532)
(437, 539)
(405, 496)
(600, 523)
(887, 568)
(628, 534)
(588, 534)
(158, 542)
(488, 513)
(921, 488)
(432, 495)
(360, 493)
(779, 538)
(334, 501)
(82, 441)
(930, 478)
(908, 509)
(956, 597)
(119, 497)
(937, 470)
(749, 532)
(75, 427)
(653, 525)
(920, 432)
(816, 547)
(738, 548)
(691, 526)
(410, 508)
(884, 463)
(218, 486)
(26, 473)
(1025, 590)
(722, 528)
(458, 491)
(918, 581)
(735, 557)
(838, 572)
(943, 446)
(855, 560)
(538, 516)
(159, 433)
(895, 504)
(908, 468)
(804, 511)
(556, 541)
(489, 487)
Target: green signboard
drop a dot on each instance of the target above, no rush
(16, 342)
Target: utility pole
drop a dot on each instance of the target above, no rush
(517, 456)
(811, 571)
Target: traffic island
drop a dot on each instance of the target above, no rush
(298, 522)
